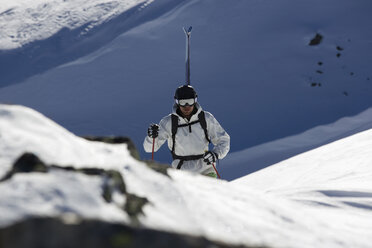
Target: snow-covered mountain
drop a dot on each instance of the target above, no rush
(321, 198)
(24, 22)
(282, 77)
(111, 68)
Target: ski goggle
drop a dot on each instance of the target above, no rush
(186, 102)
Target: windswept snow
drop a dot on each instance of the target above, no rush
(321, 198)
(333, 181)
(25, 130)
(23, 21)
(344, 165)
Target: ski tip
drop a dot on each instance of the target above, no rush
(188, 31)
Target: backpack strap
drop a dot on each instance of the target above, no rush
(203, 124)
(174, 131)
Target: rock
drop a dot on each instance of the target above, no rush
(316, 40)
(133, 206)
(314, 84)
(113, 182)
(161, 168)
(26, 163)
(53, 232)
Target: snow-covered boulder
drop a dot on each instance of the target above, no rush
(51, 179)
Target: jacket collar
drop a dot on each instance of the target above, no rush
(194, 117)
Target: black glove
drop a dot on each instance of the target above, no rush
(210, 157)
(153, 131)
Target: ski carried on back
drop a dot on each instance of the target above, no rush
(188, 34)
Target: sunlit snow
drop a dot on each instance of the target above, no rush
(321, 198)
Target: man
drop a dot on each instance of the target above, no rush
(189, 130)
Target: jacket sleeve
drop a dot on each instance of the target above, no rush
(162, 137)
(219, 137)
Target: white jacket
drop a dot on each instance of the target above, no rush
(191, 143)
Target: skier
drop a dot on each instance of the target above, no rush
(189, 130)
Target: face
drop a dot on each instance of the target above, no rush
(187, 110)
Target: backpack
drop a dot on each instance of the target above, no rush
(175, 126)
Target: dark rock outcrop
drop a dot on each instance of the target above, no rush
(54, 233)
(112, 182)
(161, 168)
(26, 163)
(61, 232)
(316, 40)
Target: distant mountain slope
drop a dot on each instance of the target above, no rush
(258, 157)
(40, 35)
(23, 22)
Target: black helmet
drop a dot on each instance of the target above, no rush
(185, 92)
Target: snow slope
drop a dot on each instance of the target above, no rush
(318, 199)
(253, 159)
(23, 22)
(335, 178)
(251, 65)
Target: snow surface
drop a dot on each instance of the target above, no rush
(24, 129)
(68, 195)
(111, 67)
(250, 63)
(23, 21)
(321, 198)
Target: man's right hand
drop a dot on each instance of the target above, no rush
(210, 157)
(153, 131)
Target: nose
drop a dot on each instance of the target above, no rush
(187, 107)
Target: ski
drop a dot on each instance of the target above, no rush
(188, 34)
